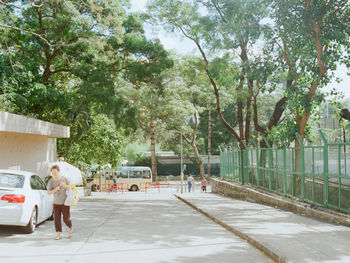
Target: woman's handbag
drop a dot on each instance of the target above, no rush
(72, 196)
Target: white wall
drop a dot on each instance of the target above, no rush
(25, 151)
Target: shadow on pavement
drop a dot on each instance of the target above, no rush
(7, 231)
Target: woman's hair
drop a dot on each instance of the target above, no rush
(55, 167)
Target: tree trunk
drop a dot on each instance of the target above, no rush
(218, 109)
(345, 114)
(199, 160)
(201, 170)
(209, 139)
(240, 110)
(153, 150)
(47, 72)
(248, 111)
(196, 153)
(240, 119)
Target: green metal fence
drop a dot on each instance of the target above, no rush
(315, 174)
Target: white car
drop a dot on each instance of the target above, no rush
(24, 200)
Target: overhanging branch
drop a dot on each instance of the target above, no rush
(27, 32)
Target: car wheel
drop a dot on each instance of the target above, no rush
(32, 222)
(134, 188)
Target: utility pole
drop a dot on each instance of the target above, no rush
(209, 140)
(182, 166)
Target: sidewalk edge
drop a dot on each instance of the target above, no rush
(267, 251)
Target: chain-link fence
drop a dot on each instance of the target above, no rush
(175, 169)
(314, 174)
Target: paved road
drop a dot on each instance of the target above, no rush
(134, 227)
(294, 237)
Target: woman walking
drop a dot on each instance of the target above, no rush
(58, 186)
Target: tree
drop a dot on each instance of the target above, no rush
(75, 61)
(103, 144)
(148, 100)
(6, 18)
(312, 37)
(146, 90)
(188, 93)
(74, 73)
(219, 134)
(230, 32)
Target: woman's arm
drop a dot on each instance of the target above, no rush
(65, 186)
(50, 192)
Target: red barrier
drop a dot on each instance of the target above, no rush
(113, 187)
(143, 185)
(158, 184)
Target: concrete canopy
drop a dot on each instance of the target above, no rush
(20, 124)
(28, 144)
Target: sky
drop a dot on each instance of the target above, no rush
(184, 46)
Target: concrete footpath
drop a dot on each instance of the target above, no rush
(133, 227)
(294, 238)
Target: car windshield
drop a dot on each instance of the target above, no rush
(11, 180)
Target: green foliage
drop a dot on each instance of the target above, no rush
(229, 35)
(254, 46)
(102, 144)
(136, 150)
(89, 65)
(72, 63)
(314, 37)
(142, 160)
(186, 83)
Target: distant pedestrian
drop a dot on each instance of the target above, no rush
(114, 185)
(190, 182)
(204, 183)
(58, 186)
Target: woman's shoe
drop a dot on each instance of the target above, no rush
(70, 231)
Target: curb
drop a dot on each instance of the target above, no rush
(267, 251)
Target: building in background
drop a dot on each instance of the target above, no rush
(168, 163)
